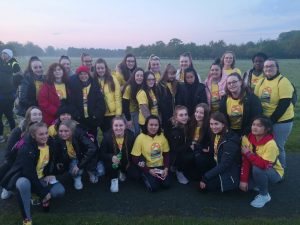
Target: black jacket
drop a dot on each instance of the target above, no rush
(252, 108)
(107, 147)
(6, 81)
(96, 104)
(25, 166)
(229, 162)
(27, 93)
(84, 147)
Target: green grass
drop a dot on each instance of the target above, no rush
(288, 67)
(111, 219)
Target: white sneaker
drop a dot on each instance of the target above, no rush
(78, 183)
(114, 185)
(122, 177)
(2, 139)
(5, 194)
(181, 178)
(260, 200)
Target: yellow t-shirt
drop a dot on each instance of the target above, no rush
(215, 98)
(85, 93)
(234, 112)
(38, 84)
(142, 99)
(133, 107)
(42, 161)
(216, 142)
(120, 142)
(271, 91)
(197, 133)
(51, 131)
(256, 79)
(119, 77)
(70, 150)
(151, 148)
(61, 91)
(230, 71)
(157, 77)
(268, 151)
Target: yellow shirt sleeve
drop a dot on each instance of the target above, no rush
(127, 92)
(137, 147)
(285, 88)
(141, 98)
(165, 145)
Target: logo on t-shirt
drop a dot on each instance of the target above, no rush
(236, 111)
(155, 151)
(266, 95)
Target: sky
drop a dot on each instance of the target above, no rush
(117, 24)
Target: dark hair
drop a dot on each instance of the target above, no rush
(147, 89)
(108, 79)
(164, 78)
(259, 54)
(193, 122)
(145, 127)
(133, 85)
(28, 68)
(220, 117)
(50, 78)
(191, 70)
(223, 56)
(244, 88)
(125, 71)
(276, 63)
(64, 57)
(84, 54)
(266, 122)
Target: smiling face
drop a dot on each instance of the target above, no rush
(155, 66)
(270, 68)
(41, 135)
(228, 60)
(258, 63)
(199, 114)
(234, 84)
(66, 64)
(184, 62)
(118, 128)
(152, 127)
(130, 62)
(216, 126)
(182, 116)
(37, 67)
(58, 73)
(36, 115)
(150, 80)
(87, 61)
(215, 72)
(171, 75)
(100, 69)
(65, 116)
(83, 76)
(65, 132)
(139, 77)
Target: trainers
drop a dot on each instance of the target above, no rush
(122, 177)
(27, 222)
(181, 178)
(114, 185)
(93, 178)
(5, 194)
(260, 200)
(2, 139)
(78, 183)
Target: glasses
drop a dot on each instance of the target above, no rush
(151, 79)
(270, 66)
(232, 83)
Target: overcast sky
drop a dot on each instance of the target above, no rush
(121, 23)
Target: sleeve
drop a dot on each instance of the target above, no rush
(118, 97)
(281, 108)
(105, 148)
(256, 160)
(141, 98)
(23, 93)
(43, 101)
(137, 147)
(126, 111)
(90, 149)
(166, 156)
(245, 170)
(285, 88)
(165, 144)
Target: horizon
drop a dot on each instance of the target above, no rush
(118, 24)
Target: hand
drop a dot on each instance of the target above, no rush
(165, 173)
(244, 186)
(115, 159)
(75, 170)
(153, 172)
(245, 149)
(202, 185)
(129, 124)
(205, 150)
(192, 147)
(48, 179)
(141, 164)
(46, 198)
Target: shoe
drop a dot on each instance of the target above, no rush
(256, 189)
(100, 169)
(260, 200)
(5, 194)
(93, 178)
(78, 183)
(27, 222)
(122, 177)
(2, 139)
(181, 178)
(114, 185)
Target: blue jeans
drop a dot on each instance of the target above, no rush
(281, 134)
(72, 164)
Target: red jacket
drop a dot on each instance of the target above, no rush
(49, 103)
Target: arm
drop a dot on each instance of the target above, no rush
(281, 108)
(118, 98)
(126, 111)
(44, 101)
(105, 148)
(145, 110)
(89, 146)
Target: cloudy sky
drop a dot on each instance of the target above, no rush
(121, 23)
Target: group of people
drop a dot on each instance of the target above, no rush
(226, 133)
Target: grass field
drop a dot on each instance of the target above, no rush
(288, 67)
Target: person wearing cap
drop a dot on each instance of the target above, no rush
(87, 100)
(8, 66)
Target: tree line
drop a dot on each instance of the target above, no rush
(287, 45)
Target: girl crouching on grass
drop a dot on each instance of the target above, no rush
(151, 153)
(260, 160)
(115, 148)
(78, 152)
(33, 171)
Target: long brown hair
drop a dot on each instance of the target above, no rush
(165, 77)
(50, 78)
(108, 79)
(244, 89)
(220, 117)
